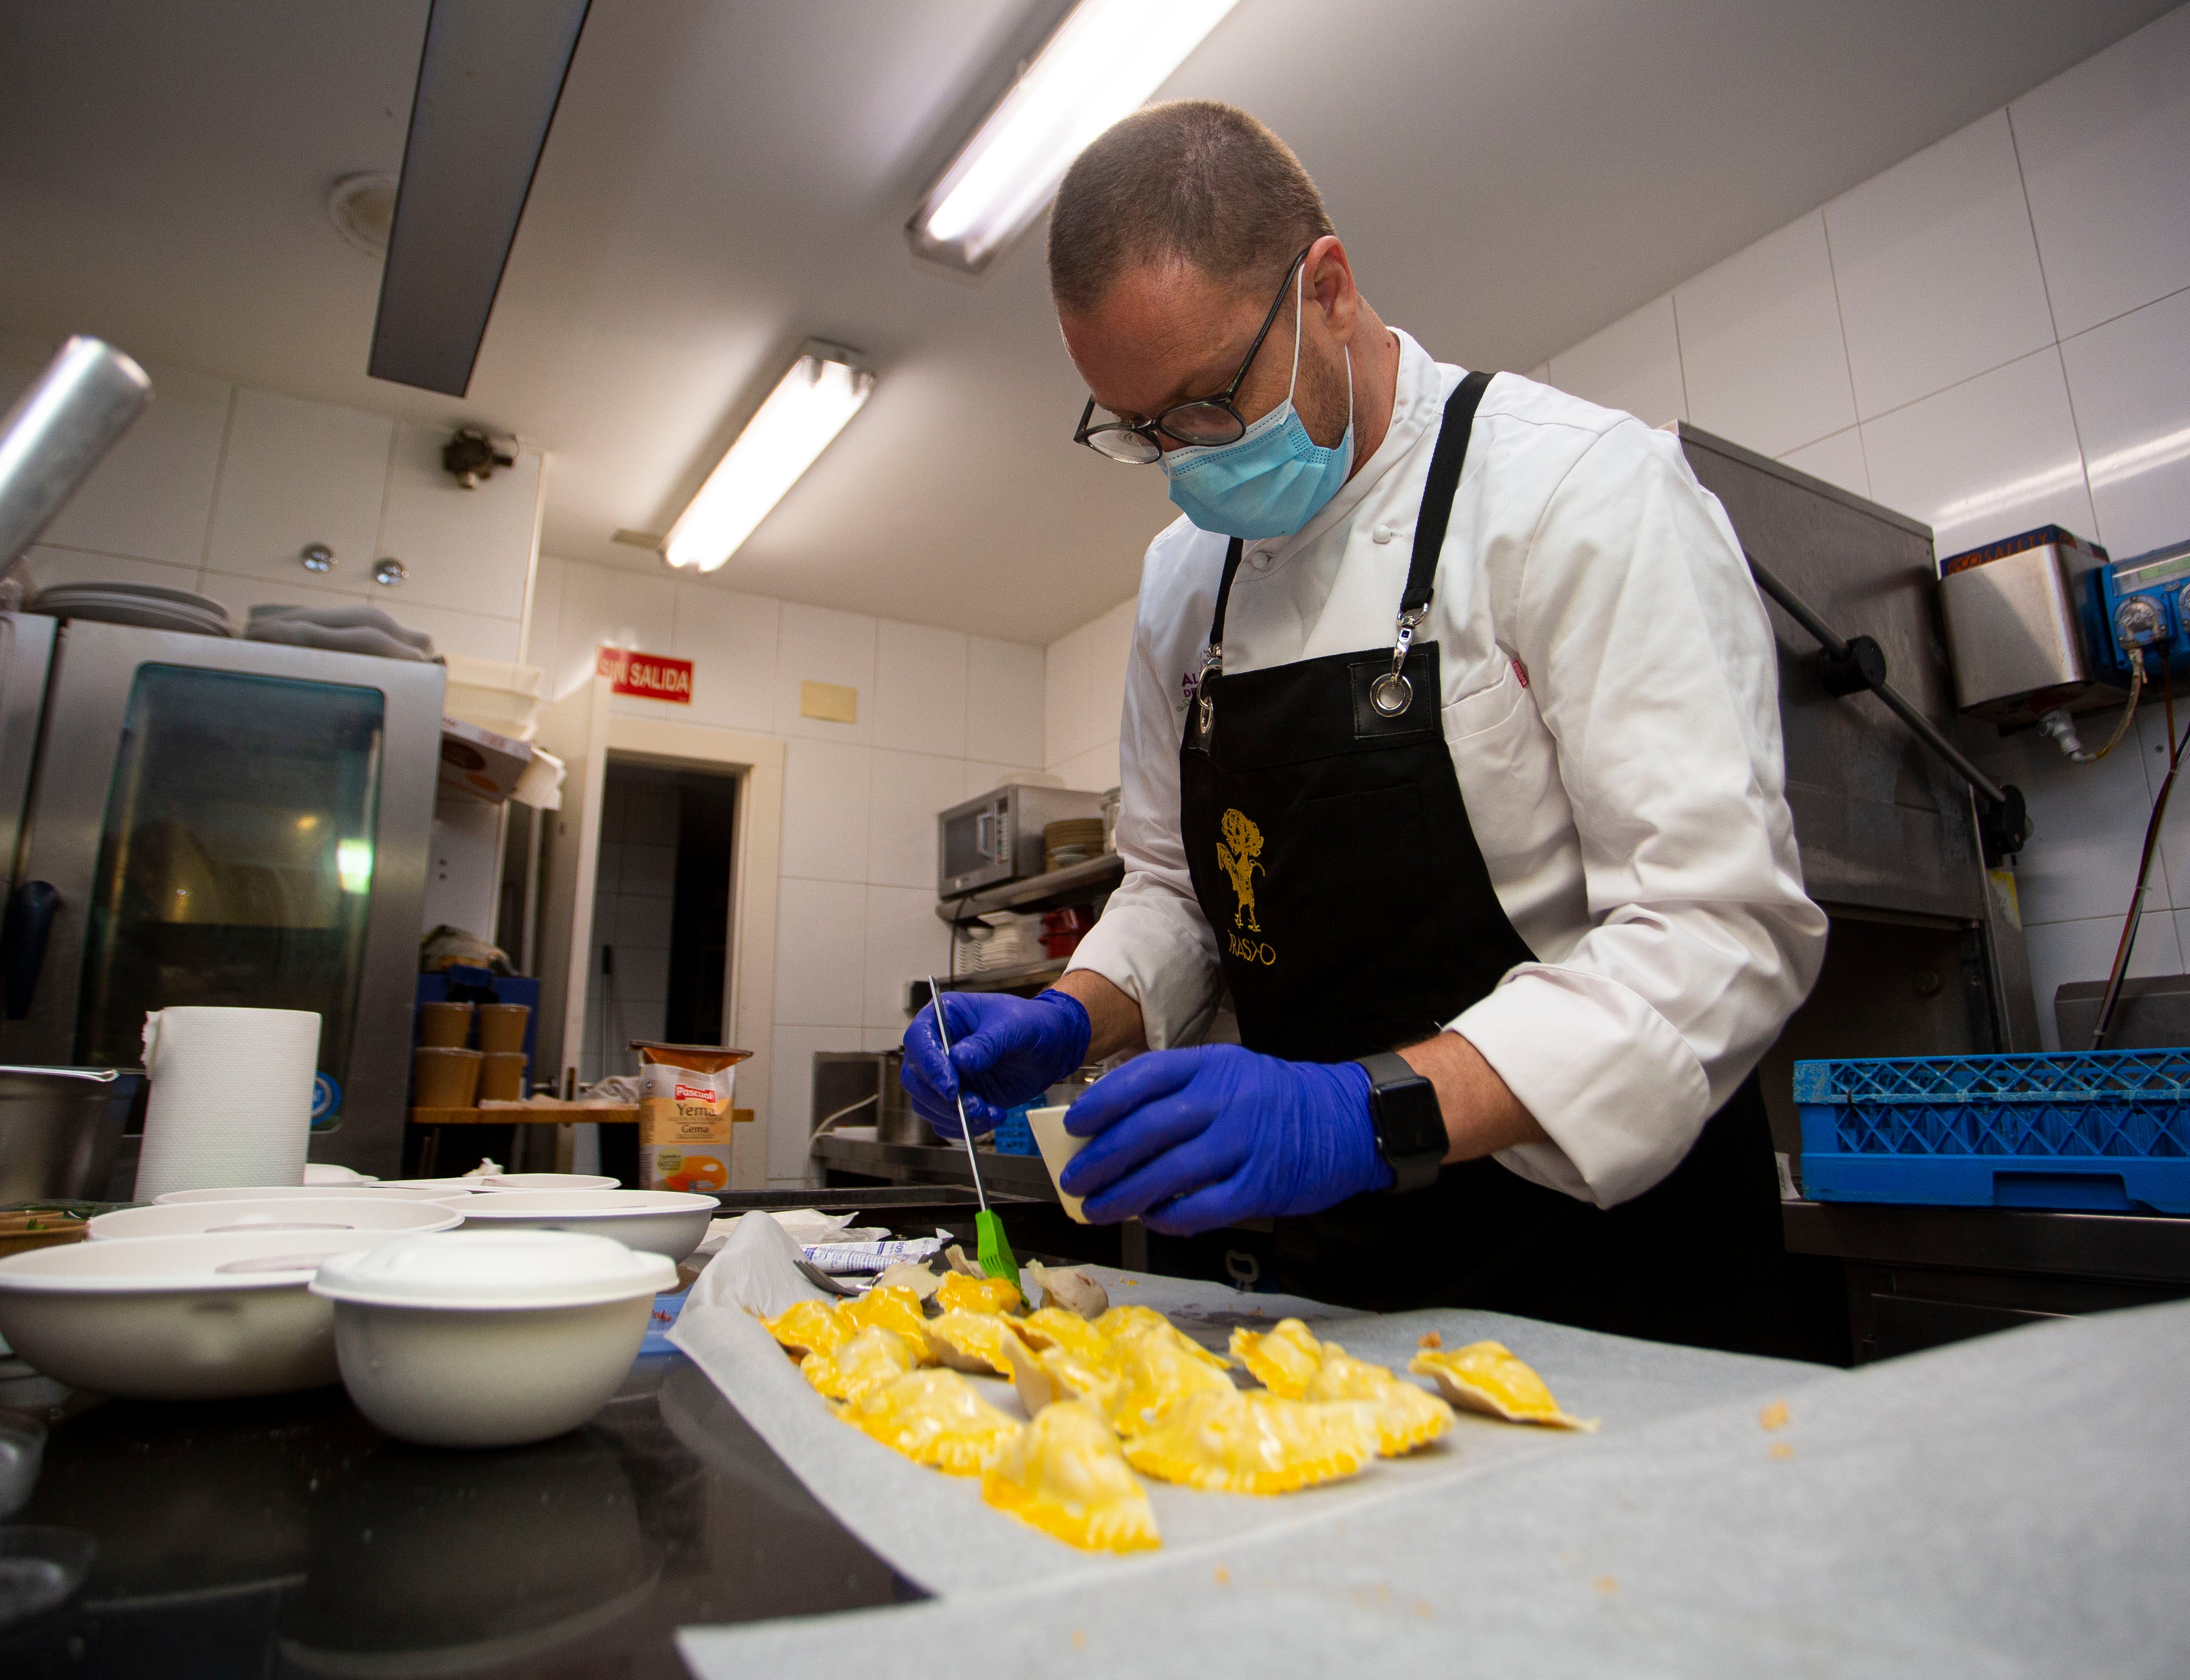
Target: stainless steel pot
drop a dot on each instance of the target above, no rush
(58, 1133)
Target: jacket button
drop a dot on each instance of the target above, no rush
(1382, 533)
(1260, 560)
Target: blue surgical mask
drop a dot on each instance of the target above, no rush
(1271, 480)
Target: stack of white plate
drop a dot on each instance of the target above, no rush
(148, 606)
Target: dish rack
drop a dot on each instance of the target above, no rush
(1001, 939)
(2098, 1130)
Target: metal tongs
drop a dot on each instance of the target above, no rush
(993, 1249)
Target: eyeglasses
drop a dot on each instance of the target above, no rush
(1204, 422)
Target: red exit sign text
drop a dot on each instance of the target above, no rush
(647, 675)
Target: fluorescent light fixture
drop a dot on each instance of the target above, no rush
(1103, 62)
(353, 864)
(808, 406)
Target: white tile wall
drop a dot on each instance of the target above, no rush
(1634, 363)
(1937, 268)
(1086, 673)
(856, 899)
(218, 488)
(2106, 159)
(1760, 349)
(1992, 335)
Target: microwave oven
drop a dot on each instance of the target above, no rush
(997, 837)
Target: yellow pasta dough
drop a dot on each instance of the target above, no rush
(1282, 1359)
(1484, 1376)
(958, 1293)
(1064, 1474)
(808, 1327)
(1122, 1325)
(933, 1417)
(1055, 1327)
(1252, 1442)
(1042, 1377)
(972, 1341)
(1156, 1375)
(1400, 1416)
(892, 1307)
(873, 1357)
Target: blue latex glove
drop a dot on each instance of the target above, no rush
(1004, 1051)
(1192, 1139)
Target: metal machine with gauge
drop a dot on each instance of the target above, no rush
(2142, 606)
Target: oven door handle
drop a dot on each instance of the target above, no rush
(986, 828)
(23, 931)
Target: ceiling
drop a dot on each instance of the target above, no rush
(727, 178)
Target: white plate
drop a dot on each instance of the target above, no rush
(669, 1223)
(294, 1192)
(319, 1216)
(545, 1181)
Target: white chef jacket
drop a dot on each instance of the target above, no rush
(1611, 704)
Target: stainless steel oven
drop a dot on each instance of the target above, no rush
(201, 821)
(998, 836)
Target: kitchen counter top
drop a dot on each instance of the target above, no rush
(2139, 1247)
(1022, 1176)
(288, 1536)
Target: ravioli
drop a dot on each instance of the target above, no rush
(1399, 1416)
(892, 1307)
(972, 1341)
(1484, 1376)
(872, 1357)
(958, 1293)
(1044, 1377)
(807, 1327)
(1056, 1327)
(1064, 1474)
(1123, 1325)
(1283, 1358)
(1253, 1442)
(1074, 1291)
(1156, 1374)
(933, 1417)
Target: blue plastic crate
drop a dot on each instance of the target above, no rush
(2089, 1131)
(1013, 1135)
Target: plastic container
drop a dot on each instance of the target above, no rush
(2089, 1130)
(445, 1025)
(502, 1075)
(443, 1078)
(1012, 1135)
(502, 1026)
(472, 1339)
(1057, 1148)
(187, 1318)
(668, 1222)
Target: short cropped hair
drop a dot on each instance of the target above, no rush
(1192, 181)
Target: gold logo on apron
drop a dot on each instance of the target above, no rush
(1239, 855)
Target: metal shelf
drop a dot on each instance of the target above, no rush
(1036, 974)
(1073, 884)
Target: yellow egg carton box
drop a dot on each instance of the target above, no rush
(685, 1115)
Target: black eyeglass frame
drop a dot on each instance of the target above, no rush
(1224, 400)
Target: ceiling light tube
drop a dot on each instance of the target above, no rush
(1103, 62)
(808, 406)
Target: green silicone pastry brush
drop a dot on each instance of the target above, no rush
(994, 1249)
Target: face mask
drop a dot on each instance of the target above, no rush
(1273, 478)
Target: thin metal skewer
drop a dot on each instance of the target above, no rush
(942, 1032)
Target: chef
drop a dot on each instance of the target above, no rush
(1451, 771)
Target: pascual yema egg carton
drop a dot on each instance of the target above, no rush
(455, 1314)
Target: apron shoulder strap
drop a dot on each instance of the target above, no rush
(1446, 461)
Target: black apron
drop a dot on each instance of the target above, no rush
(1328, 842)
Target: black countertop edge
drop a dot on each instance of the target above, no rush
(2152, 1248)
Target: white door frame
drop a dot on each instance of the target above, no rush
(755, 857)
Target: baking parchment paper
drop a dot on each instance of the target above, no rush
(937, 1532)
(2011, 1506)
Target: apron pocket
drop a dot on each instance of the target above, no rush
(1370, 809)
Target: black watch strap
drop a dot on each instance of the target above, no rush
(1410, 1123)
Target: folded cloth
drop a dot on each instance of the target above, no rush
(349, 629)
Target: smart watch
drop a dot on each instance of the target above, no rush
(1410, 1124)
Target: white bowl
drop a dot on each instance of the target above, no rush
(318, 1216)
(439, 1187)
(182, 1318)
(545, 1181)
(294, 1192)
(489, 1338)
(669, 1223)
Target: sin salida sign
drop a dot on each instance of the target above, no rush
(649, 676)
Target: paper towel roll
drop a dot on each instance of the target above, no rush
(231, 1098)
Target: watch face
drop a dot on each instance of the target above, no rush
(1411, 1123)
